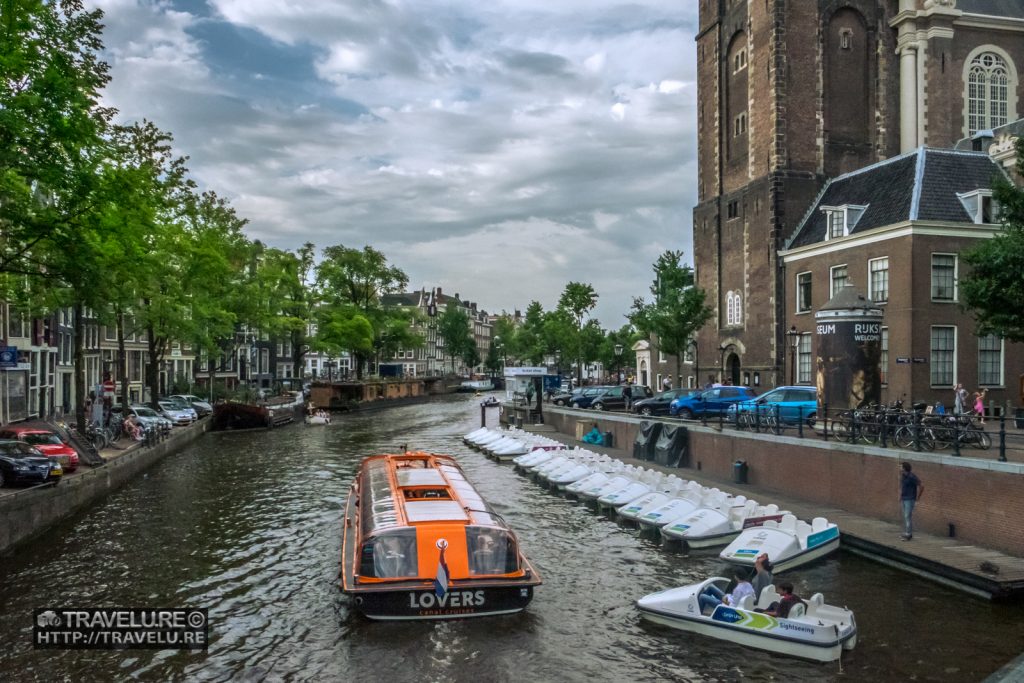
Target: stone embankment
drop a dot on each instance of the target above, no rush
(28, 512)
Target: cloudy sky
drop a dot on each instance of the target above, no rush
(497, 149)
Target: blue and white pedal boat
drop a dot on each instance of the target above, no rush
(813, 630)
(789, 543)
(709, 527)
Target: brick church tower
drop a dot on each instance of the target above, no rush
(794, 92)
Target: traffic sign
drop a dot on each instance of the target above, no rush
(108, 388)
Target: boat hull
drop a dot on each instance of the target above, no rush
(460, 602)
(823, 652)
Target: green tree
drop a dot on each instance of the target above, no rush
(351, 282)
(679, 308)
(578, 299)
(453, 326)
(993, 289)
(492, 363)
(528, 344)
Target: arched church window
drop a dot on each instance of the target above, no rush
(988, 92)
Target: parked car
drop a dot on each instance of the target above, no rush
(612, 398)
(583, 399)
(564, 398)
(714, 401)
(46, 442)
(202, 407)
(659, 403)
(177, 412)
(790, 404)
(146, 416)
(21, 463)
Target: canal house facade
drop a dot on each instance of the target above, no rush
(791, 95)
(895, 231)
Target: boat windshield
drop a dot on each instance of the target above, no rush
(491, 550)
(391, 555)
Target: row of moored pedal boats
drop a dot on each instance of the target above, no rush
(697, 516)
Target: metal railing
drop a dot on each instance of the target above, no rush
(889, 426)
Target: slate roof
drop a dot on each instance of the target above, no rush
(995, 8)
(918, 185)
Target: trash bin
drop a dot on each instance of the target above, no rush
(609, 440)
(739, 472)
(1018, 418)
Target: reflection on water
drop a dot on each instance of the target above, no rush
(248, 525)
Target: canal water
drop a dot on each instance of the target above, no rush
(247, 525)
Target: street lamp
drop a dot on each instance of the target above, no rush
(696, 366)
(794, 343)
(618, 363)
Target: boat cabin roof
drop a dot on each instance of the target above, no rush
(419, 488)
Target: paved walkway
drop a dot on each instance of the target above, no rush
(983, 572)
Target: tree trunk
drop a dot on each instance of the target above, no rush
(80, 388)
(153, 367)
(122, 359)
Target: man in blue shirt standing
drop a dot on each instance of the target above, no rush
(911, 489)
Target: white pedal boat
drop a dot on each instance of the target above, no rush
(570, 460)
(618, 481)
(318, 419)
(683, 504)
(708, 527)
(529, 461)
(594, 479)
(813, 631)
(669, 489)
(560, 480)
(475, 434)
(789, 543)
(648, 482)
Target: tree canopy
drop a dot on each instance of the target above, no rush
(993, 288)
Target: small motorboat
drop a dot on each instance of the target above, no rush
(318, 419)
(490, 402)
(812, 630)
(790, 543)
(708, 527)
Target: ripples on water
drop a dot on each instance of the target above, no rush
(248, 524)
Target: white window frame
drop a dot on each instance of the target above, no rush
(803, 363)
(810, 281)
(956, 276)
(845, 216)
(871, 279)
(975, 202)
(932, 365)
(982, 111)
(1000, 382)
(832, 278)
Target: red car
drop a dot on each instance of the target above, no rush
(45, 441)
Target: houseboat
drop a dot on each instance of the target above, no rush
(419, 542)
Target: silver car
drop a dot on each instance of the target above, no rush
(177, 413)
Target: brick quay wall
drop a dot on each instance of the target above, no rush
(983, 499)
(28, 512)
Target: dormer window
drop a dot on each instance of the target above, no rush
(841, 220)
(980, 206)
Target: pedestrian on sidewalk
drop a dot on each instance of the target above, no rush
(627, 393)
(979, 404)
(911, 489)
(959, 399)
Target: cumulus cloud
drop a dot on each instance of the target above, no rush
(476, 144)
